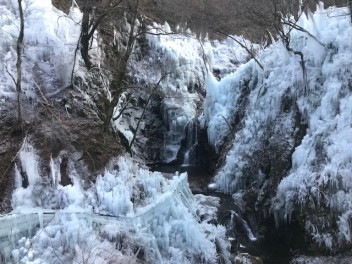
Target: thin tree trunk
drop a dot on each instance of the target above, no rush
(88, 27)
(85, 37)
(116, 84)
(19, 63)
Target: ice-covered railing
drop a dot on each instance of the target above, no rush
(14, 226)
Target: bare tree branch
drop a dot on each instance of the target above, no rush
(245, 47)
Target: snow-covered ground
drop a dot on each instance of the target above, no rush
(320, 177)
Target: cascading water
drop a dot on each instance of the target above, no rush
(176, 121)
(192, 144)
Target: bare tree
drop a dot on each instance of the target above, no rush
(19, 46)
(116, 22)
(93, 16)
(117, 60)
(18, 80)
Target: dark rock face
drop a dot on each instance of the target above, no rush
(195, 150)
(150, 137)
(10, 144)
(273, 161)
(63, 5)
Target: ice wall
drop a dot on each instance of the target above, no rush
(319, 180)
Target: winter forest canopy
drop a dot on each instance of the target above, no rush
(159, 131)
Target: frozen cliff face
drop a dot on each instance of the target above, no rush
(172, 67)
(268, 112)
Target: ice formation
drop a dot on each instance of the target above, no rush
(320, 175)
(180, 62)
(128, 206)
(129, 209)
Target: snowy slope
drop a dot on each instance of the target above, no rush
(318, 185)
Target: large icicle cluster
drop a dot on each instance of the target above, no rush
(320, 178)
(128, 208)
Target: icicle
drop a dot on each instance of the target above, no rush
(53, 171)
(186, 159)
(41, 221)
(18, 178)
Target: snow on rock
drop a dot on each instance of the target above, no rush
(319, 180)
(321, 165)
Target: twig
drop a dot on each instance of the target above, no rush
(244, 46)
(122, 110)
(226, 121)
(75, 57)
(48, 106)
(36, 236)
(145, 108)
(40, 90)
(9, 73)
(297, 27)
(54, 250)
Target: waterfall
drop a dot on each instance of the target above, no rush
(176, 121)
(192, 144)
